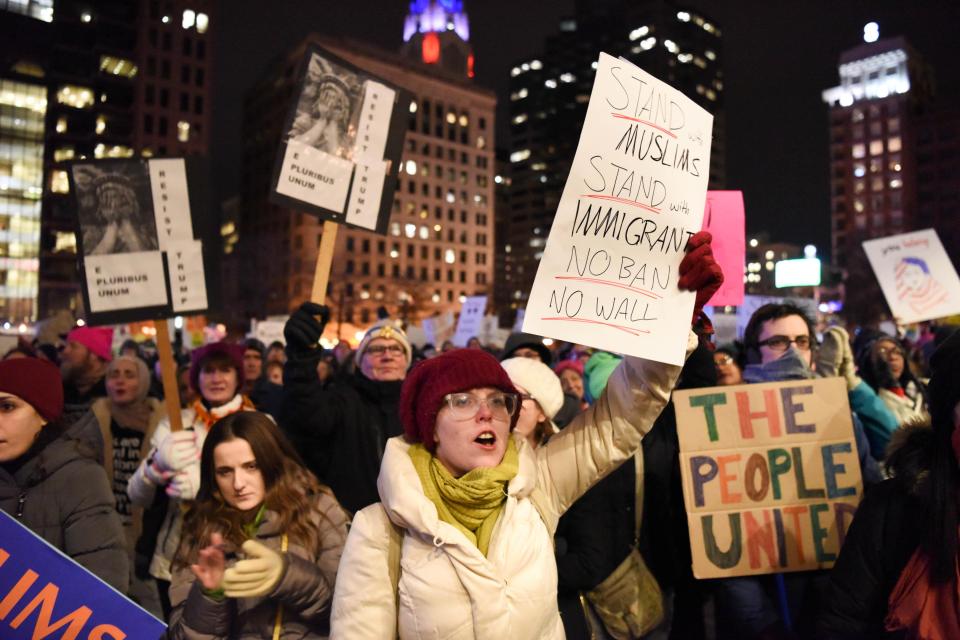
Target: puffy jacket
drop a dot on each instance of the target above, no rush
(340, 430)
(303, 592)
(142, 491)
(447, 588)
(62, 494)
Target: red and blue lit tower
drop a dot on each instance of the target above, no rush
(438, 32)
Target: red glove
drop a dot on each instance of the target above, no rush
(699, 271)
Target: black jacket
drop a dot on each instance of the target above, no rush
(885, 533)
(341, 430)
(597, 533)
(60, 491)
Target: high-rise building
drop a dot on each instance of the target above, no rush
(119, 79)
(873, 143)
(548, 103)
(439, 246)
(894, 160)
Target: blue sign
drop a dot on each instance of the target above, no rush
(45, 594)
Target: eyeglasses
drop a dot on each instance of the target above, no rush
(464, 406)
(722, 359)
(886, 352)
(782, 343)
(380, 349)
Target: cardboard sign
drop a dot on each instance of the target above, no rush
(141, 252)
(44, 591)
(916, 276)
(635, 194)
(470, 323)
(340, 155)
(724, 219)
(771, 477)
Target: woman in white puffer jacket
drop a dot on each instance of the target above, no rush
(461, 544)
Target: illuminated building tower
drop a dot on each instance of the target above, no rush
(894, 159)
(438, 32)
(120, 79)
(439, 246)
(548, 102)
(873, 162)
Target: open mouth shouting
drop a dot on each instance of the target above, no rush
(487, 440)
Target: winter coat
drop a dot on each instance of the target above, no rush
(340, 430)
(142, 490)
(101, 411)
(62, 494)
(303, 592)
(447, 588)
(881, 540)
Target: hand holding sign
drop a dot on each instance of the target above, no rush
(699, 271)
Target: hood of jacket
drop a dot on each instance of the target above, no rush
(82, 439)
(407, 506)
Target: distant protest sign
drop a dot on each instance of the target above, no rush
(470, 323)
(45, 594)
(340, 155)
(635, 194)
(916, 275)
(771, 477)
(724, 219)
(141, 251)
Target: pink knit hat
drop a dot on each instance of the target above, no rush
(424, 388)
(98, 340)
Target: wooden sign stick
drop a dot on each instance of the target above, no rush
(321, 276)
(168, 371)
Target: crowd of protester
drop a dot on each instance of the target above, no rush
(488, 493)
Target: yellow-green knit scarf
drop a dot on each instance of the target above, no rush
(472, 502)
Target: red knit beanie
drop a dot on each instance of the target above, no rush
(424, 388)
(232, 351)
(35, 381)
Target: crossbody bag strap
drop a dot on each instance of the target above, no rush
(638, 496)
(278, 621)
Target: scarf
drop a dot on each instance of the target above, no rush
(473, 502)
(926, 611)
(136, 413)
(209, 416)
(790, 366)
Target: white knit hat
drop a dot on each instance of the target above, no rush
(539, 380)
(387, 330)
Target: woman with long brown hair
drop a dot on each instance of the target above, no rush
(261, 543)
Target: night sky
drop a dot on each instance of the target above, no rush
(777, 58)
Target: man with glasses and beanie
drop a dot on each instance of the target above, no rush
(780, 344)
(342, 429)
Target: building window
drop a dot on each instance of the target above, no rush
(118, 66)
(185, 74)
(183, 131)
(203, 22)
(876, 147)
(165, 69)
(859, 151)
(893, 144)
(148, 123)
(59, 182)
(75, 96)
(184, 102)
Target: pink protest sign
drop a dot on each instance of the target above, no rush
(724, 219)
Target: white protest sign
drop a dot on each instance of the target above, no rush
(471, 320)
(314, 176)
(635, 194)
(125, 281)
(916, 275)
(269, 331)
(171, 201)
(187, 285)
